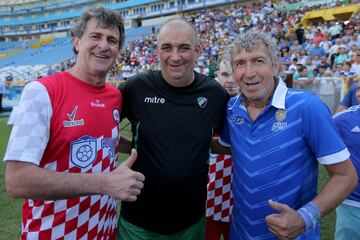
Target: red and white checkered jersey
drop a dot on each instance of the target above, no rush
(219, 196)
(66, 125)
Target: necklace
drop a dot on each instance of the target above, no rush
(255, 106)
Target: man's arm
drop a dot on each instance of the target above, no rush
(25, 180)
(288, 224)
(345, 102)
(218, 148)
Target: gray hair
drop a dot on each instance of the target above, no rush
(106, 18)
(247, 40)
(178, 21)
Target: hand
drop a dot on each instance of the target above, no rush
(287, 224)
(124, 183)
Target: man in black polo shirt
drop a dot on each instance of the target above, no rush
(174, 114)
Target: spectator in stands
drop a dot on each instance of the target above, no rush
(310, 65)
(300, 34)
(296, 46)
(61, 156)
(317, 50)
(280, 168)
(285, 60)
(303, 77)
(327, 87)
(354, 41)
(219, 201)
(350, 98)
(293, 66)
(322, 70)
(355, 67)
(172, 136)
(348, 213)
(343, 56)
(337, 68)
(335, 48)
(324, 62)
(335, 30)
(126, 70)
(9, 78)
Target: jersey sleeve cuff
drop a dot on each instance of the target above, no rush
(224, 143)
(338, 157)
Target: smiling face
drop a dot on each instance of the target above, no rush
(254, 72)
(97, 50)
(177, 52)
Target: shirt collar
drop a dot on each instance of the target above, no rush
(278, 99)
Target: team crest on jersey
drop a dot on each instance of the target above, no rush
(83, 151)
(280, 115)
(116, 115)
(73, 122)
(202, 101)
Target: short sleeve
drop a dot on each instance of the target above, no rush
(321, 134)
(31, 130)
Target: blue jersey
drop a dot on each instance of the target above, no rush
(350, 97)
(276, 157)
(348, 124)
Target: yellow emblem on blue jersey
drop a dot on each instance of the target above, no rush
(280, 114)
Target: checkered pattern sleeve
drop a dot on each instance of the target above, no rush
(30, 133)
(219, 196)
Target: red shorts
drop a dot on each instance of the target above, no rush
(214, 229)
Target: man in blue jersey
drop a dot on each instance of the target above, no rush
(278, 136)
(350, 98)
(348, 213)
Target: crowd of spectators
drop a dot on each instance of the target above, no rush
(332, 47)
(317, 50)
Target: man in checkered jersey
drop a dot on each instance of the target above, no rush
(62, 152)
(220, 201)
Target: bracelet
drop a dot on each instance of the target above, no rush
(311, 215)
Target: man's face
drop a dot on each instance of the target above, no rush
(177, 53)
(357, 94)
(226, 80)
(254, 72)
(97, 48)
(304, 72)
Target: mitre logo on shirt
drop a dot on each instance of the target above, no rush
(97, 103)
(155, 99)
(73, 122)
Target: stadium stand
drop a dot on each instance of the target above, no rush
(217, 22)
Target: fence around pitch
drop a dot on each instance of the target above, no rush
(331, 90)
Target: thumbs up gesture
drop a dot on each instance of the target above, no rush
(124, 183)
(287, 224)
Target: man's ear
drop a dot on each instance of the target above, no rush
(76, 42)
(277, 67)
